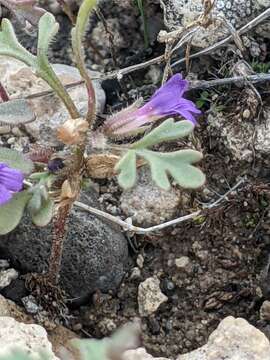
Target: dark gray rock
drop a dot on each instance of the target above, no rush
(95, 254)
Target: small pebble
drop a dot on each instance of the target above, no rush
(136, 274)
(4, 264)
(182, 262)
(30, 304)
(11, 140)
(140, 261)
(265, 311)
(150, 296)
(246, 114)
(77, 327)
(6, 277)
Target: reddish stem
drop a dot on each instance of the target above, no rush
(58, 237)
(3, 93)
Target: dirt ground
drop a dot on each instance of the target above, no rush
(228, 248)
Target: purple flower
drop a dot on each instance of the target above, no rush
(166, 101)
(11, 180)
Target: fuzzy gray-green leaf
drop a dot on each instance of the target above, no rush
(47, 29)
(127, 170)
(15, 160)
(178, 165)
(15, 112)
(44, 215)
(9, 45)
(12, 212)
(167, 131)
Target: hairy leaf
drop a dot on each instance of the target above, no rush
(167, 131)
(15, 112)
(127, 170)
(15, 160)
(12, 212)
(47, 29)
(35, 202)
(178, 165)
(44, 215)
(9, 45)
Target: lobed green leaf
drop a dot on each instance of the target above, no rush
(167, 131)
(9, 45)
(178, 165)
(47, 29)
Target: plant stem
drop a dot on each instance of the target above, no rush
(67, 11)
(59, 233)
(76, 35)
(145, 27)
(51, 78)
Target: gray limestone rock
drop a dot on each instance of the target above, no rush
(181, 13)
(94, 256)
(234, 339)
(148, 205)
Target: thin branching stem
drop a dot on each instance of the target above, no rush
(140, 230)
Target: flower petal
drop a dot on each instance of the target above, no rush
(168, 99)
(11, 179)
(175, 86)
(5, 195)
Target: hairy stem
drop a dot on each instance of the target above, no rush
(77, 34)
(51, 78)
(59, 233)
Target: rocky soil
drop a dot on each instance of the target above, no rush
(189, 284)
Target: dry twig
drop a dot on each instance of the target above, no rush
(139, 230)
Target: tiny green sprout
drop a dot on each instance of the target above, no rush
(199, 220)
(140, 6)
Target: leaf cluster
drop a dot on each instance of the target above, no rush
(36, 199)
(177, 164)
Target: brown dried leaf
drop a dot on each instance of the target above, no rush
(73, 131)
(101, 166)
(67, 192)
